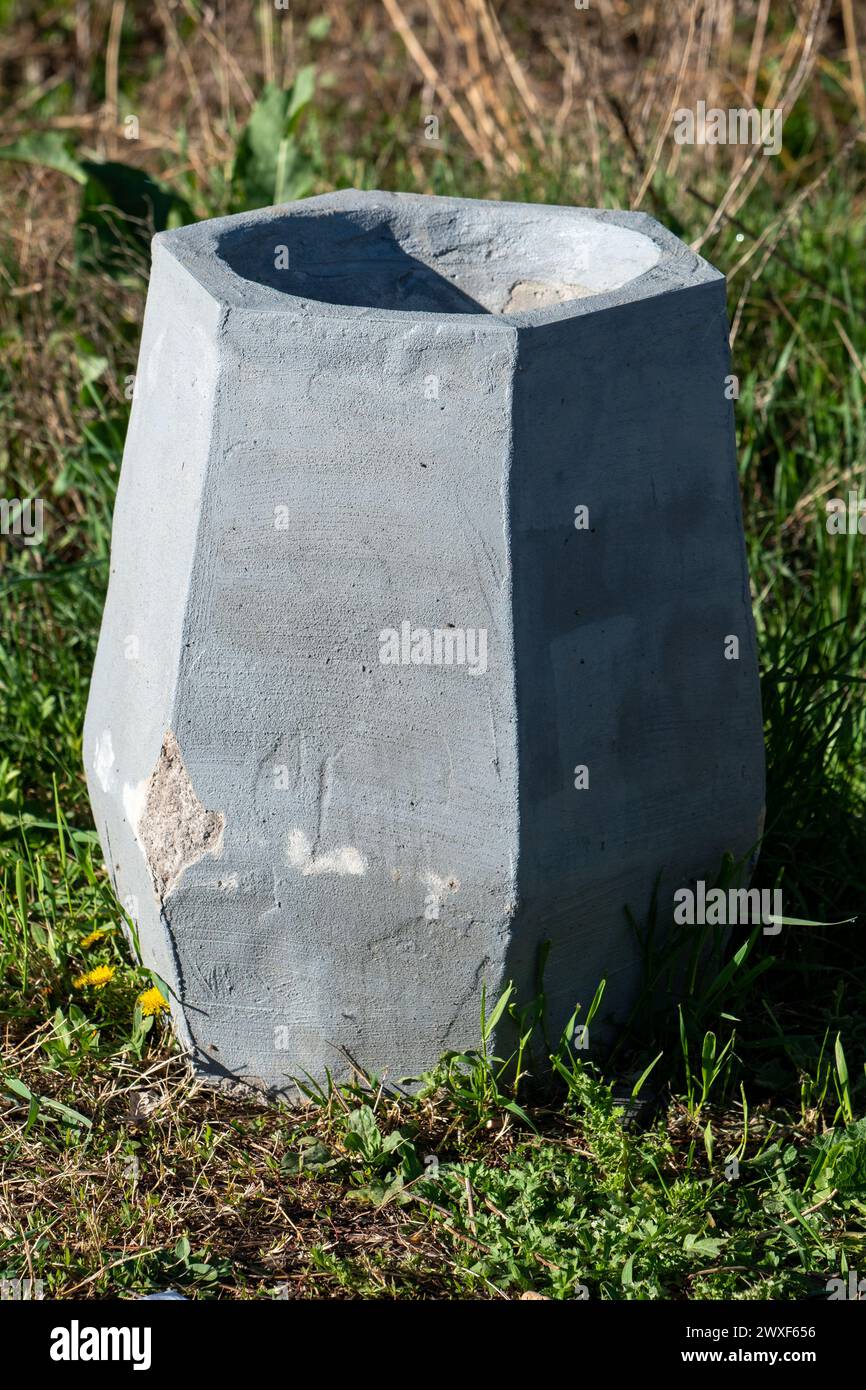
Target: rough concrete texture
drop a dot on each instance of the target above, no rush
(174, 829)
(355, 645)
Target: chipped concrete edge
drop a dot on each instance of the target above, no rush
(171, 824)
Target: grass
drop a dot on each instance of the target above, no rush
(122, 1177)
(721, 1151)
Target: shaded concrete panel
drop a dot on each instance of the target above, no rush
(620, 633)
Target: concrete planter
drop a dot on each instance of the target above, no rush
(426, 562)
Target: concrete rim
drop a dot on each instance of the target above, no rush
(201, 249)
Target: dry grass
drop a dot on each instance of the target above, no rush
(171, 1160)
(512, 86)
(166, 1159)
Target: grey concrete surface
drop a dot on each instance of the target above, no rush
(355, 645)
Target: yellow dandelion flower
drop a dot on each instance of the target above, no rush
(152, 1001)
(98, 978)
(92, 939)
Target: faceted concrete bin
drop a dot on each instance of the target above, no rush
(420, 647)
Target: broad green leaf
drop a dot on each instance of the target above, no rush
(301, 94)
(66, 1112)
(49, 150)
(18, 1088)
(121, 208)
(269, 166)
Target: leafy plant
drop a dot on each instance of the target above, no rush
(269, 165)
(122, 206)
(714, 1063)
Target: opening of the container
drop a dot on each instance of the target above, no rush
(423, 256)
